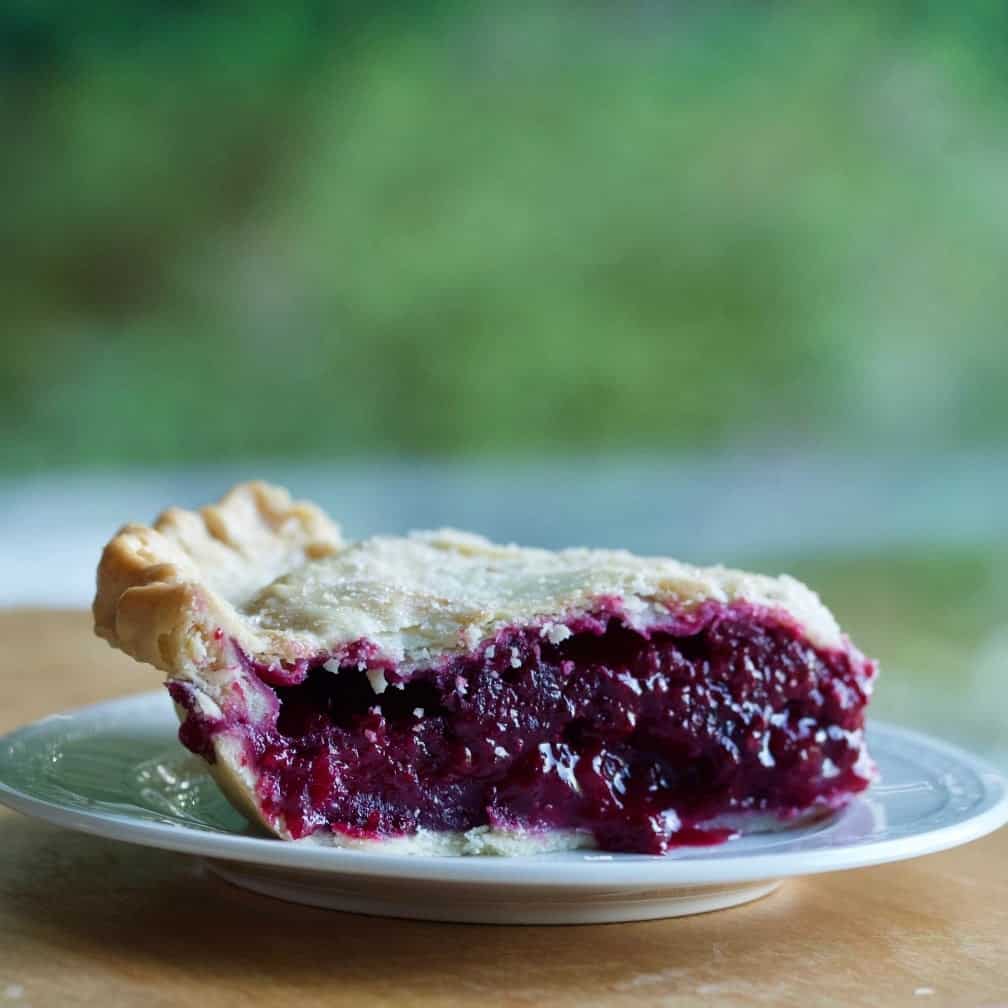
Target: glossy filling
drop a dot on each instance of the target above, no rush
(641, 739)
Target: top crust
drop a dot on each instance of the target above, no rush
(274, 577)
(163, 591)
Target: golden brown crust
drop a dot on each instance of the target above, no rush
(273, 577)
(157, 584)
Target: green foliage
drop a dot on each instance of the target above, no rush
(448, 230)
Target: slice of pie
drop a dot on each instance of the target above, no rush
(442, 694)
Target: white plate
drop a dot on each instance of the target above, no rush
(116, 770)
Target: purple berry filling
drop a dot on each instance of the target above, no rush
(642, 739)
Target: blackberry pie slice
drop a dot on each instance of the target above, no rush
(438, 693)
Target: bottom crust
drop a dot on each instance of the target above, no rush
(487, 841)
(479, 841)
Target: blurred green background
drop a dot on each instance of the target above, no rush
(326, 230)
(329, 233)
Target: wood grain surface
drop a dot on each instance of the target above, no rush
(86, 921)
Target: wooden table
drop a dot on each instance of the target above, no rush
(86, 921)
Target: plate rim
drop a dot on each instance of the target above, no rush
(576, 869)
